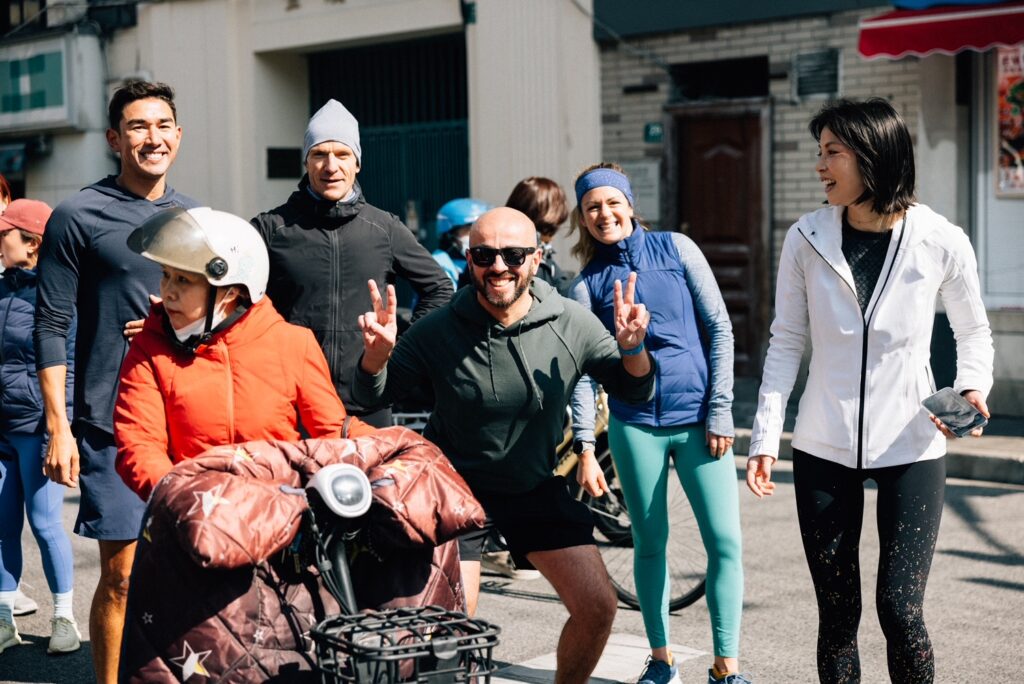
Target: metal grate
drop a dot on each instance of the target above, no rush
(389, 84)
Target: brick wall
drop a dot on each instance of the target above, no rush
(795, 189)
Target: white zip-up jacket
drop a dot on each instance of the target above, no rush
(869, 371)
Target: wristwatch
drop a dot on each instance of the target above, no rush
(579, 446)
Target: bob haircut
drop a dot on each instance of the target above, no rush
(543, 200)
(876, 133)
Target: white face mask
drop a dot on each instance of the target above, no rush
(198, 327)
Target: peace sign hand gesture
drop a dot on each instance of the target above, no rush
(380, 328)
(630, 319)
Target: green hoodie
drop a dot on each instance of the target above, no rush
(500, 393)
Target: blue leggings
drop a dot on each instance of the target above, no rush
(641, 456)
(25, 487)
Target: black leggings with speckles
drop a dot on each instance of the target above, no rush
(830, 506)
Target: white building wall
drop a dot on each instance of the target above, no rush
(534, 97)
(240, 73)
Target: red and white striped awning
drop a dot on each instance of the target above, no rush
(947, 29)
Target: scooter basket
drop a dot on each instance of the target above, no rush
(427, 644)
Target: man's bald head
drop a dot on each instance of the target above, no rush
(503, 227)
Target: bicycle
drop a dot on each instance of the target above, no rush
(422, 644)
(687, 558)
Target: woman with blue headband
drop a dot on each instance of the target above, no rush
(689, 419)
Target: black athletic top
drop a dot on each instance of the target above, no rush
(865, 252)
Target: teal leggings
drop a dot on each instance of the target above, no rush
(641, 456)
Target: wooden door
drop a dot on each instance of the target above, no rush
(721, 207)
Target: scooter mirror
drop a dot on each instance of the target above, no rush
(344, 488)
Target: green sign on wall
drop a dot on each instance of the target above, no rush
(35, 82)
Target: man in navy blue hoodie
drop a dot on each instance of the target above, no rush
(86, 268)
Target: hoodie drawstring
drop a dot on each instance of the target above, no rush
(490, 365)
(526, 365)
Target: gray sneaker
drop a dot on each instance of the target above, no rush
(64, 637)
(500, 563)
(8, 636)
(23, 605)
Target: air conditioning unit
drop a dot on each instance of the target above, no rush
(816, 74)
(63, 12)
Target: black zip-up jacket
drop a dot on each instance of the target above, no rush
(322, 253)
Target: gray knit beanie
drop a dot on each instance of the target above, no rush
(333, 123)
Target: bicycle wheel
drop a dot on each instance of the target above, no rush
(687, 559)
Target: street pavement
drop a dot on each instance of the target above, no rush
(973, 607)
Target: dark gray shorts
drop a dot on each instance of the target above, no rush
(108, 510)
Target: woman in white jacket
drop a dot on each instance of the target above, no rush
(860, 279)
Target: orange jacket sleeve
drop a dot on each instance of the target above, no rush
(140, 424)
(320, 409)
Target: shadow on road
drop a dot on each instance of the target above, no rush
(31, 663)
(503, 589)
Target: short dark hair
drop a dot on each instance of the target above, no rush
(543, 200)
(879, 138)
(138, 90)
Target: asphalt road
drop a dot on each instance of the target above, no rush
(974, 606)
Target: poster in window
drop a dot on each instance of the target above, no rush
(1010, 124)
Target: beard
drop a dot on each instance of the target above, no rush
(521, 280)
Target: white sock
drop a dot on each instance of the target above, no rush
(62, 605)
(7, 606)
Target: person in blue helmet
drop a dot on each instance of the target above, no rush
(452, 229)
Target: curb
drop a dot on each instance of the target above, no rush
(988, 458)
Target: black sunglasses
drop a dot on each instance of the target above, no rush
(512, 256)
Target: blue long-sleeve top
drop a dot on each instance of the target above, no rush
(709, 307)
(86, 268)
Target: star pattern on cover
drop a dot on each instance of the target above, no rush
(147, 618)
(239, 456)
(208, 500)
(191, 662)
(394, 465)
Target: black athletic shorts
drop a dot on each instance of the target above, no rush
(543, 519)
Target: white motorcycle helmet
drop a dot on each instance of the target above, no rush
(224, 248)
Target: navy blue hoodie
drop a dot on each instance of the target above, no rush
(21, 404)
(85, 266)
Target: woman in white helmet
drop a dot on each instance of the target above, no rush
(215, 363)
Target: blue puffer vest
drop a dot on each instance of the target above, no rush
(673, 336)
(21, 404)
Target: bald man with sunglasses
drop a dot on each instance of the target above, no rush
(503, 358)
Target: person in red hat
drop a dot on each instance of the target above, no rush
(23, 437)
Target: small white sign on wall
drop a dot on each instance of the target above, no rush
(645, 177)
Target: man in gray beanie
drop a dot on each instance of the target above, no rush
(326, 242)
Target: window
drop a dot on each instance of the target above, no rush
(14, 13)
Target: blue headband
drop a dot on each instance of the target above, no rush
(599, 178)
